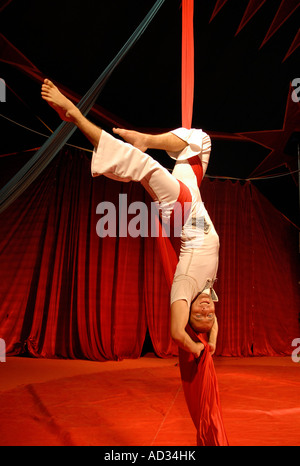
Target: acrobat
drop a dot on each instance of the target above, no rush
(192, 294)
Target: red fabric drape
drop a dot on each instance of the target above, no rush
(187, 69)
(65, 292)
(201, 391)
(199, 379)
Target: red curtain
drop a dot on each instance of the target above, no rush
(65, 292)
(258, 272)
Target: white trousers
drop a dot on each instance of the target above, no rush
(123, 162)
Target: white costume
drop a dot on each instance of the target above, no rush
(198, 261)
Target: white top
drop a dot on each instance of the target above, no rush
(199, 143)
(193, 137)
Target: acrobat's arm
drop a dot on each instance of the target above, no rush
(143, 141)
(213, 334)
(179, 321)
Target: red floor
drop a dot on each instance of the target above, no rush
(141, 403)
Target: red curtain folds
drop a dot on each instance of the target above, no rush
(187, 67)
(258, 271)
(65, 292)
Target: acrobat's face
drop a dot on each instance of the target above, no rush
(202, 315)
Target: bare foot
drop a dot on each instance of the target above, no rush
(136, 139)
(61, 104)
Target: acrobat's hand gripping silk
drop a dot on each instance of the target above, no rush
(201, 391)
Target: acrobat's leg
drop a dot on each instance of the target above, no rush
(123, 162)
(114, 158)
(69, 112)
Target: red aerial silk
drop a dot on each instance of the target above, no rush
(201, 392)
(187, 67)
(198, 376)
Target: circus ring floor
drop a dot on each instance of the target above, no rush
(54, 402)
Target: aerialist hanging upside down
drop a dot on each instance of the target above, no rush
(192, 294)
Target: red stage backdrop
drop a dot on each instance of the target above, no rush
(65, 292)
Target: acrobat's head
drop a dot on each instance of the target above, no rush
(202, 313)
